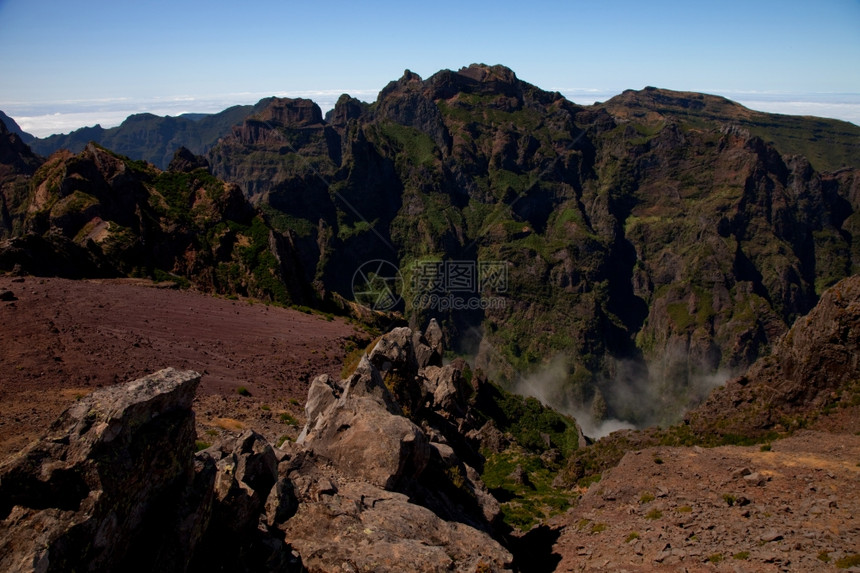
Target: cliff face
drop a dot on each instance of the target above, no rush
(656, 241)
(813, 368)
(100, 214)
(17, 165)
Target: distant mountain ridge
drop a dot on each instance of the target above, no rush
(152, 138)
(156, 138)
(828, 144)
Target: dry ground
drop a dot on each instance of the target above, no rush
(795, 507)
(62, 339)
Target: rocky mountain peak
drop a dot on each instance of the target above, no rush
(12, 126)
(346, 109)
(409, 81)
(291, 112)
(185, 161)
(486, 74)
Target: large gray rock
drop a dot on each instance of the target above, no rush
(449, 390)
(250, 500)
(116, 484)
(362, 430)
(365, 528)
(83, 497)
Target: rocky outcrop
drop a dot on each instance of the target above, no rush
(17, 165)
(362, 429)
(363, 469)
(116, 485)
(345, 525)
(186, 162)
(106, 483)
(812, 364)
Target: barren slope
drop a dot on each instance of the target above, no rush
(61, 339)
(731, 508)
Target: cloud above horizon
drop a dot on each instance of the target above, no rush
(46, 118)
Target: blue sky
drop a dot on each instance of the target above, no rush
(68, 64)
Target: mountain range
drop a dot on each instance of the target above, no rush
(644, 249)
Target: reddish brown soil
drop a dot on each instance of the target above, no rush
(793, 507)
(61, 339)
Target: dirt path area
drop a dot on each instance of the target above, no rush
(793, 507)
(61, 339)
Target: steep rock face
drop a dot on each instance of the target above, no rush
(658, 242)
(727, 255)
(17, 165)
(284, 139)
(99, 214)
(810, 366)
(84, 497)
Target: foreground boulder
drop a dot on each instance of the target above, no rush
(343, 524)
(363, 431)
(117, 486)
(83, 497)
